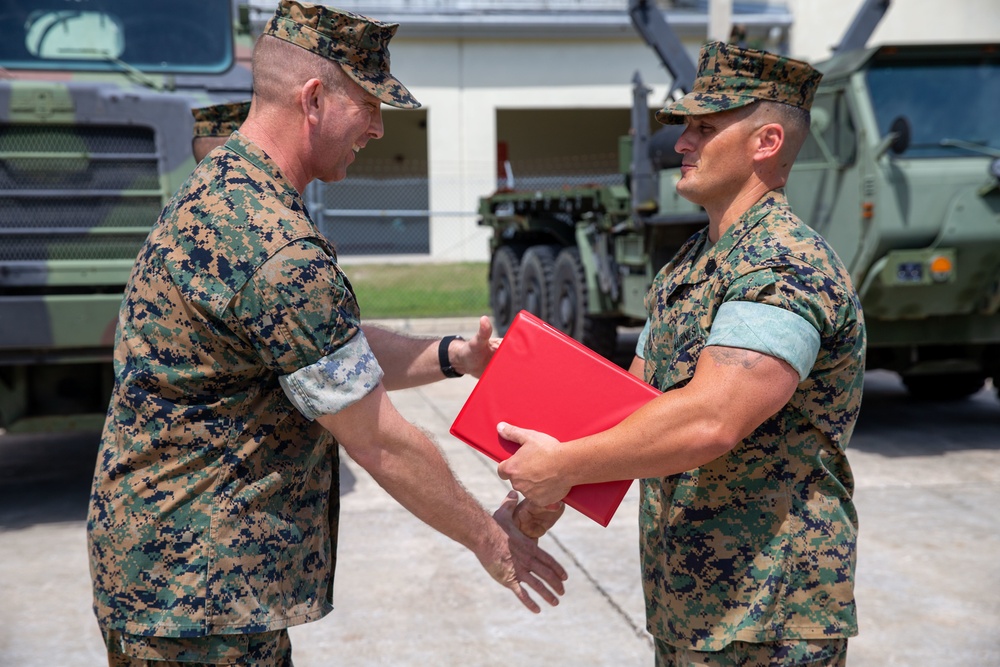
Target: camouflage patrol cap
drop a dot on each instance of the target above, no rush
(730, 77)
(219, 120)
(358, 43)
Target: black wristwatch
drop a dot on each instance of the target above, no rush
(446, 367)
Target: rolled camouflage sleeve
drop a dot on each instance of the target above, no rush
(810, 305)
(773, 331)
(335, 381)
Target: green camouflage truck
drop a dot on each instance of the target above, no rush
(95, 136)
(901, 174)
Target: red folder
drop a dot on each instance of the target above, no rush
(541, 379)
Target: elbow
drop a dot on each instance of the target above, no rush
(719, 437)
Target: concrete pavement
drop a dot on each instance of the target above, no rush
(928, 485)
(405, 595)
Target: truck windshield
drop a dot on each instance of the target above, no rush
(167, 36)
(951, 105)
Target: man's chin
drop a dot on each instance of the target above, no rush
(688, 193)
(333, 178)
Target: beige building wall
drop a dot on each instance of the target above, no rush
(464, 82)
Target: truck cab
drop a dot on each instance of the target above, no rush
(900, 175)
(95, 136)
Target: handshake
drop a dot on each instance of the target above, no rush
(531, 519)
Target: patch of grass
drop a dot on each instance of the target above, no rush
(421, 290)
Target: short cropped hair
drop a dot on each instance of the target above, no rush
(280, 67)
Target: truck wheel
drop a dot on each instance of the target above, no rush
(505, 293)
(944, 386)
(569, 306)
(535, 278)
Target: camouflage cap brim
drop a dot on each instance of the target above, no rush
(697, 104)
(358, 43)
(384, 86)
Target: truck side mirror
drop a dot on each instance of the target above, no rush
(898, 139)
(901, 128)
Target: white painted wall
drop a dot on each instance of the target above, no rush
(819, 24)
(462, 84)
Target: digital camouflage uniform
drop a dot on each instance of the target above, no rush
(209, 482)
(219, 120)
(758, 545)
(213, 517)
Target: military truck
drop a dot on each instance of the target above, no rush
(95, 136)
(901, 174)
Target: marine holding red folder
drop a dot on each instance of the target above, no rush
(748, 531)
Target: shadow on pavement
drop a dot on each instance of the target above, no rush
(46, 478)
(892, 423)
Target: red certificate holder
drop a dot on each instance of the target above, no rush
(541, 379)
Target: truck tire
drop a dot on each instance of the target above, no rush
(505, 291)
(569, 306)
(944, 386)
(535, 278)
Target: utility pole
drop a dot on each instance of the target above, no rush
(720, 20)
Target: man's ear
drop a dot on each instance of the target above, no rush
(311, 99)
(770, 139)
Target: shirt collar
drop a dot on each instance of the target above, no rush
(241, 145)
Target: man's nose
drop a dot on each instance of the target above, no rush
(684, 143)
(376, 129)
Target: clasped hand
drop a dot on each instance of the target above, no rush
(533, 468)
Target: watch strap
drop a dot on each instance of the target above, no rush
(443, 358)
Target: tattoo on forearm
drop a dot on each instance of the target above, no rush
(733, 356)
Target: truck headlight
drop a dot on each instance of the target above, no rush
(941, 267)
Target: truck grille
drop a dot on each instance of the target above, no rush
(77, 192)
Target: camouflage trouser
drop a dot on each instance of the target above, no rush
(266, 649)
(791, 653)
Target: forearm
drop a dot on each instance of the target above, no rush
(731, 394)
(410, 362)
(407, 361)
(413, 471)
(638, 367)
(665, 437)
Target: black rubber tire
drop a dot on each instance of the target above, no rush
(535, 280)
(569, 306)
(944, 386)
(505, 291)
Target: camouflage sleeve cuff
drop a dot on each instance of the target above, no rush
(336, 381)
(769, 330)
(640, 345)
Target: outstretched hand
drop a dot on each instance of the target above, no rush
(471, 356)
(529, 565)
